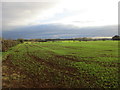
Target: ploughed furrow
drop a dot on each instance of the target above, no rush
(64, 70)
(14, 76)
(51, 64)
(80, 59)
(73, 58)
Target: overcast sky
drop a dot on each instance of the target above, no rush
(80, 13)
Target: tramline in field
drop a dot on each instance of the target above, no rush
(91, 64)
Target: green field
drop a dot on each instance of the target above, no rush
(62, 64)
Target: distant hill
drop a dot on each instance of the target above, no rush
(60, 31)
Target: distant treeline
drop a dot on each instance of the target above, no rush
(75, 39)
(6, 44)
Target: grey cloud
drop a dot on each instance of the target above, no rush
(60, 31)
(16, 12)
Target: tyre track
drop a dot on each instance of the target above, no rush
(81, 59)
(50, 64)
(68, 71)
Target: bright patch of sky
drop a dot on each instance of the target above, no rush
(80, 13)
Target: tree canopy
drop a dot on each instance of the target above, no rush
(116, 37)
